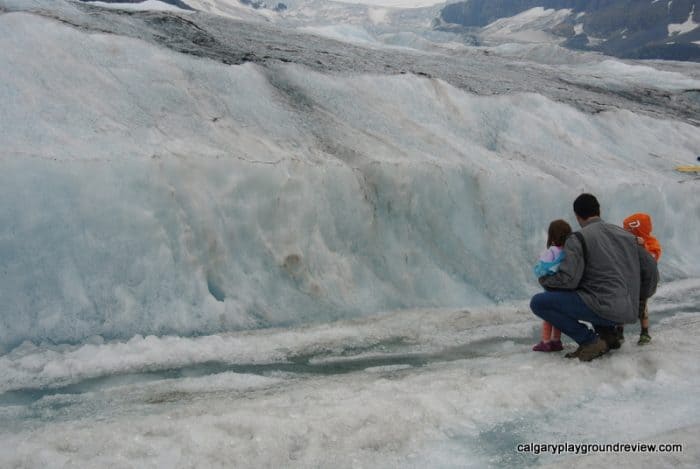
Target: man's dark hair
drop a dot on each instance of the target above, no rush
(586, 206)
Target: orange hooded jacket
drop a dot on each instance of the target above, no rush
(639, 224)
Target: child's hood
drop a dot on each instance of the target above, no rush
(639, 224)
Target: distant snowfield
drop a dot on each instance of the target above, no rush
(547, 53)
(395, 3)
(360, 36)
(232, 9)
(345, 33)
(148, 5)
(527, 26)
(320, 11)
(615, 73)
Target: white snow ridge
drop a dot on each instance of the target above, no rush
(298, 251)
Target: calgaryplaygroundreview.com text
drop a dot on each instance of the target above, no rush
(590, 448)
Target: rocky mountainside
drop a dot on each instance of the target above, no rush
(643, 29)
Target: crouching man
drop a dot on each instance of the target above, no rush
(601, 280)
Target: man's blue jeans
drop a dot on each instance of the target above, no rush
(564, 310)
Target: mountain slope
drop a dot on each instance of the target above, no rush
(628, 28)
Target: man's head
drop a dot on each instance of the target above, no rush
(586, 206)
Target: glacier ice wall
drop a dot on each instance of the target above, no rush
(148, 192)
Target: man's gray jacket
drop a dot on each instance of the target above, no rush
(615, 273)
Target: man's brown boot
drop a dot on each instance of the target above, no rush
(593, 350)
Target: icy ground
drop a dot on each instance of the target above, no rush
(410, 389)
(230, 243)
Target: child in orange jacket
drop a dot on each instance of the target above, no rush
(639, 224)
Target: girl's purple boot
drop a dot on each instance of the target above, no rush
(551, 346)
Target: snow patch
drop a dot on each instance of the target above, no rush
(378, 15)
(595, 41)
(527, 26)
(682, 28)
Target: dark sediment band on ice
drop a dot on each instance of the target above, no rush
(235, 42)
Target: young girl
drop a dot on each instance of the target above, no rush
(639, 224)
(548, 264)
